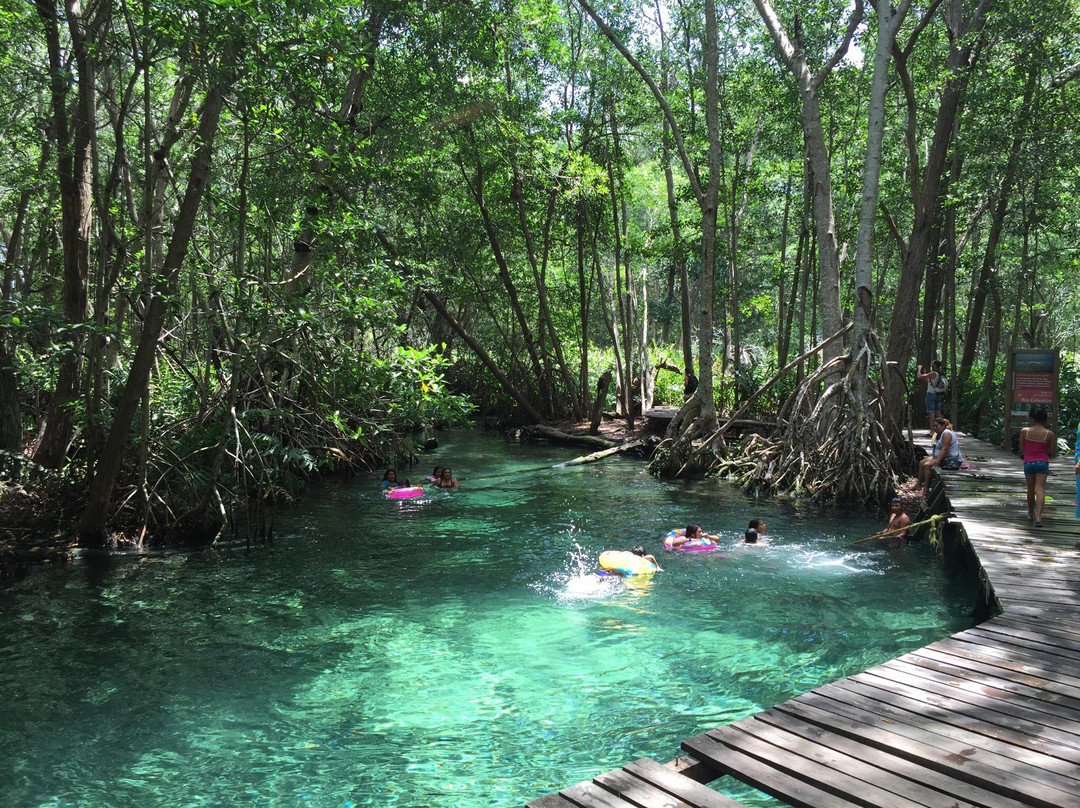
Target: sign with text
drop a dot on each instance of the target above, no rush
(1032, 380)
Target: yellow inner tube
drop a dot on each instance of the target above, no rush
(625, 562)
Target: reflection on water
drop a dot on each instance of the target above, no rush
(454, 650)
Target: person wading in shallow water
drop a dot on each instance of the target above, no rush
(898, 521)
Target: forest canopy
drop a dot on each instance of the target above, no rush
(243, 242)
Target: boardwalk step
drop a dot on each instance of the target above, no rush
(641, 784)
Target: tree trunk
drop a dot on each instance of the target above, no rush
(988, 270)
(477, 189)
(926, 193)
(794, 56)
(93, 527)
(74, 137)
(679, 250)
(889, 20)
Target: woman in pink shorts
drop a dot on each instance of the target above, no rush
(1037, 445)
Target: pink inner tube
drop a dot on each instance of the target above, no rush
(405, 492)
(692, 546)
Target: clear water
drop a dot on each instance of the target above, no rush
(455, 651)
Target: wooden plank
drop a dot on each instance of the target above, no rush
(822, 768)
(637, 792)
(679, 786)
(590, 795)
(1003, 659)
(903, 767)
(1060, 645)
(987, 770)
(1040, 611)
(995, 687)
(1011, 672)
(878, 773)
(1045, 592)
(1028, 686)
(913, 717)
(784, 787)
(996, 711)
(1011, 640)
(1050, 665)
(1032, 624)
(550, 801)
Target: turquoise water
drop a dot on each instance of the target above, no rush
(452, 651)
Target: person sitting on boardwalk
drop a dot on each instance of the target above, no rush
(692, 532)
(446, 479)
(1037, 445)
(945, 454)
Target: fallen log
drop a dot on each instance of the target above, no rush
(592, 458)
(566, 438)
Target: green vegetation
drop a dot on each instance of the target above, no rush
(244, 242)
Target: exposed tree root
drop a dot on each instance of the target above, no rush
(834, 448)
(683, 451)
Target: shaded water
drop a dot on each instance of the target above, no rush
(452, 651)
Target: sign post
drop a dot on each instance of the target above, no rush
(1032, 379)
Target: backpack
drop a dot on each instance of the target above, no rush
(941, 384)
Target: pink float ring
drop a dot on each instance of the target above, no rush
(405, 492)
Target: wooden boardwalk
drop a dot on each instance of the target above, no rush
(988, 717)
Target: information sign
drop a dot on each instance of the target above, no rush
(1032, 379)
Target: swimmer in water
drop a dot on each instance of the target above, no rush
(692, 532)
(750, 537)
(758, 525)
(447, 479)
(640, 551)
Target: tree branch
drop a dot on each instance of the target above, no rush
(1065, 76)
(657, 94)
(842, 48)
(895, 231)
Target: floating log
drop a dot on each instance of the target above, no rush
(592, 458)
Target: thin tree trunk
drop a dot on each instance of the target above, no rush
(477, 189)
(679, 250)
(74, 135)
(809, 83)
(93, 527)
(997, 223)
(889, 19)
